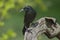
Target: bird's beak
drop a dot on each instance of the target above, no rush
(21, 10)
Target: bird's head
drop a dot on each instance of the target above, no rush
(26, 9)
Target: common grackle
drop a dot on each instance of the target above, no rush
(30, 15)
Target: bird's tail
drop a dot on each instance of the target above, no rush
(25, 28)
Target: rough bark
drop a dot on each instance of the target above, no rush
(40, 27)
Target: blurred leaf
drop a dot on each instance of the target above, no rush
(1, 3)
(11, 33)
(1, 23)
(5, 36)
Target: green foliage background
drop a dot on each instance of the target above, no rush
(11, 20)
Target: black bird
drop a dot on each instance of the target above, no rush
(30, 15)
